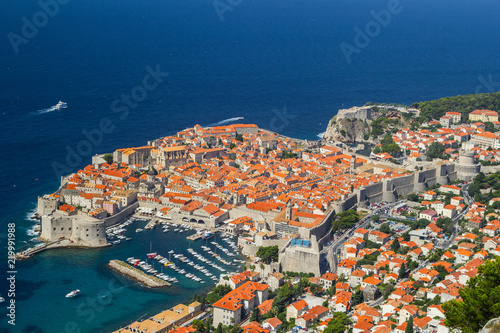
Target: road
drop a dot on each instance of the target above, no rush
(331, 251)
(447, 244)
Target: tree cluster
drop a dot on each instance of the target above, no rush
(345, 220)
(216, 294)
(338, 324)
(268, 254)
(436, 150)
(480, 300)
(388, 146)
(464, 104)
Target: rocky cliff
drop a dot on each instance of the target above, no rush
(347, 130)
(367, 123)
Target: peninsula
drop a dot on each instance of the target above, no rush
(383, 237)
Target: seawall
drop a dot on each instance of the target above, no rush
(137, 275)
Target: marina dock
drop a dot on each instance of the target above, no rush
(151, 224)
(194, 237)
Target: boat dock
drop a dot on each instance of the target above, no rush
(151, 224)
(137, 275)
(194, 237)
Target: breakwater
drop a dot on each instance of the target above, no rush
(137, 275)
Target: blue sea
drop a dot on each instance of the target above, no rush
(285, 65)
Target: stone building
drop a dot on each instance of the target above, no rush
(172, 156)
(239, 303)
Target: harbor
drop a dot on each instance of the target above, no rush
(176, 264)
(87, 270)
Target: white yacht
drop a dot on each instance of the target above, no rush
(73, 293)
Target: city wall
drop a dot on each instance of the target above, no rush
(391, 189)
(121, 216)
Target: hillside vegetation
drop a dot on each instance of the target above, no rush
(464, 104)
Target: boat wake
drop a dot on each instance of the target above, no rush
(226, 121)
(57, 107)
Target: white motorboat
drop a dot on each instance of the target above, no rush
(61, 105)
(73, 293)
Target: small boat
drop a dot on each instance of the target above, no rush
(61, 105)
(138, 230)
(2, 299)
(73, 293)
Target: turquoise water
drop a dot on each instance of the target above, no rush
(108, 300)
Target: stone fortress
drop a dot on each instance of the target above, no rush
(308, 259)
(300, 235)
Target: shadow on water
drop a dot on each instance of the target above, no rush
(66, 281)
(26, 289)
(32, 329)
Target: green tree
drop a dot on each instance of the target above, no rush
(255, 315)
(236, 329)
(199, 326)
(376, 218)
(395, 245)
(345, 220)
(402, 272)
(108, 158)
(357, 298)
(435, 150)
(474, 189)
(388, 290)
(489, 126)
(315, 289)
(338, 324)
(409, 325)
(268, 254)
(331, 291)
(412, 197)
(219, 328)
(480, 300)
(385, 228)
(216, 294)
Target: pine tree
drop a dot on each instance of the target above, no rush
(409, 325)
(402, 271)
(219, 328)
(255, 315)
(395, 245)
